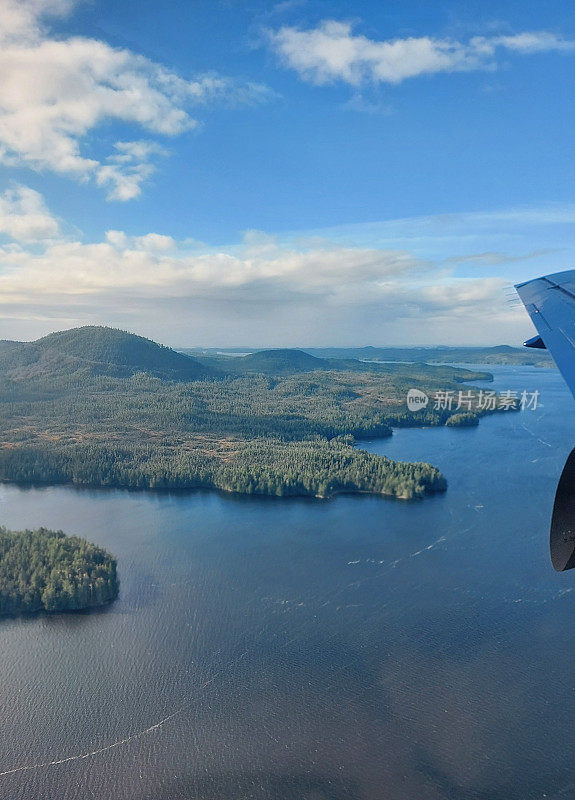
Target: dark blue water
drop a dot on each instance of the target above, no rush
(360, 648)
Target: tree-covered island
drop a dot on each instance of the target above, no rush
(44, 570)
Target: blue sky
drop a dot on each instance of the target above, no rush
(292, 173)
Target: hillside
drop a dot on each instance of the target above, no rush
(94, 350)
(278, 362)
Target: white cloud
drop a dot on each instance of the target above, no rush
(260, 292)
(148, 265)
(333, 52)
(24, 216)
(151, 242)
(22, 19)
(530, 42)
(127, 168)
(54, 92)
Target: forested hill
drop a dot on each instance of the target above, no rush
(94, 350)
(100, 407)
(278, 362)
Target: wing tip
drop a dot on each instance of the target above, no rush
(535, 342)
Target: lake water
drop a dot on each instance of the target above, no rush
(359, 648)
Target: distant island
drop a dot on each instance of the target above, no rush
(97, 406)
(499, 355)
(44, 570)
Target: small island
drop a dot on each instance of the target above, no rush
(44, 570)
(463, 420)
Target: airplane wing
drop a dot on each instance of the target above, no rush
(550, 302)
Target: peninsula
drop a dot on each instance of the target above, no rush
(96, 406)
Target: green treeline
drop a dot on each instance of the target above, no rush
(324, 469)
(317, 468)
(45, 570)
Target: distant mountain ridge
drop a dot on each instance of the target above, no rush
(497, 354)
(290, 361)
(98, 350)
(91, 351)
(447, 354)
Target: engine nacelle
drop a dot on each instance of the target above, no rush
(562, 539)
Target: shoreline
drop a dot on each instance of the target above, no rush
(165, 490)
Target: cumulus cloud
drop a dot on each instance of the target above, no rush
(127, 168)
(259, 292)
(150, 242)
(333, 52)
(24, 216)
(153, 265)
(53, 92)
(23, 19)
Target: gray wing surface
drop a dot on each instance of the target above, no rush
(550, 302)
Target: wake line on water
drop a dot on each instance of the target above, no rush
(91, 753)
(541, 441)
(138, 735)
(397, 561)
(429, 547)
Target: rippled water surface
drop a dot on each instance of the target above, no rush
(360, 648)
